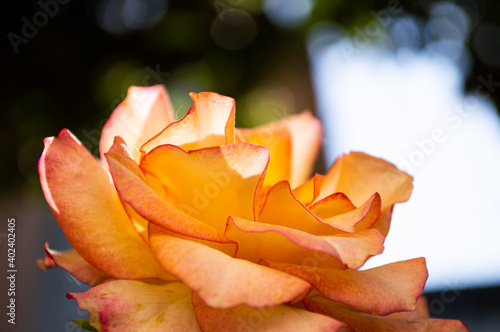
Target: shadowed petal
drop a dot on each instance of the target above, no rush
(220, 280)
(381, 291)
(362, 321)
(72, 262)
(143, 114)
(89, 212)
(277, 318)
(209, 122)
(132, 305)
(212, 183)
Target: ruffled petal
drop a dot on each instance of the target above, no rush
(89, 212)
(209, 122)
(362, 321)
(258, 241)
(333, 211)
(146, 305)
(212, 183)
(72, 262)
(380, 291)
(332, 215)
(143, 114)
(220, 280)
(307, 192)
(133, 189)
(278, 318)
(359, 176)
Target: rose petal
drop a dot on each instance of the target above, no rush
(143, 114)
(205, 183)
(277, 318)
(209, 122)
(133, 189)
(277, 139)
(220, 280)
(258, 241)
(359, 176)
(362, 321)
(129, 305)
(309, 191)
(332, 215)
(422, 311)
(356, 220)
(88, 210)
(380, 291)
(72, 262)
(307, 133)
(303, 138)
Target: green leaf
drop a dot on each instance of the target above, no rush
(84, 324)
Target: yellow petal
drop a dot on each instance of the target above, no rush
(278, 318)
(143, 114)
(307, 134)
(209, 122)
(332, 212)
(359, 176)
(277, 139)
(130, 305)
(379, 291)
(362, 321)
(212, 183)
(309, 191)
(294, 143)
(72, 262)
(258, 241)
(134, 190)
(220, 280)
(89, 212)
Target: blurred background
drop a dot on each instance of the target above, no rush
(415, 82)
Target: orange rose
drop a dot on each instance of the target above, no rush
(195, 225)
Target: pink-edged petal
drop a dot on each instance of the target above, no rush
(359, 176)
(89, 212)
(277, 139)
(133, 190)
(143, 114)
(220, 280)
(277, 318)
(258, 241)
(362, 321)
(212, 183)
(307, 192)
(381, 291)
(358, 219)
(209, 122)
(133, 305)
(72, 262)
(422, 311)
